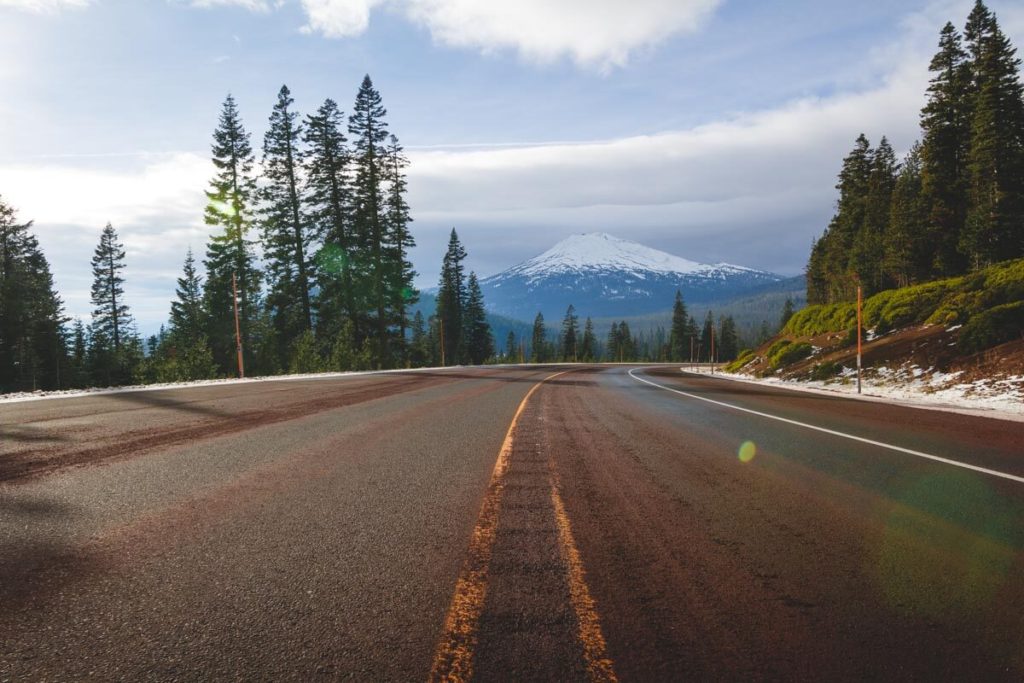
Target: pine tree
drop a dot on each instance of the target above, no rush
(727, 345)
(679, 343)
(230, 252)
(329, 202)
(707, 352)
(369, 131)
(538, 341)
(33, 344)
(994, 228)
(588, 346)
(787, 313)
(400, 240)
(569, 341)
(510, 347)
(419, 346)
(477, 331)
(110, 318)
(451, 298)
(906, 255)
(865, 259)
(187, 314)
(945, 126)
(284, 225)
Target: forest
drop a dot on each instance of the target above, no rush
(955, 203)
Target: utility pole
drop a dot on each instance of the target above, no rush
(440, 323)
(859, 325)
(238, 328)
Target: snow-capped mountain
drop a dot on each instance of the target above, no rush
(602, 275)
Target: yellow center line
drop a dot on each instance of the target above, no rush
(453, 660)
(595, 654)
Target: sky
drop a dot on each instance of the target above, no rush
(712, 129)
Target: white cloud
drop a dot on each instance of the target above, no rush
(601, 33)
(43, 6)
(157, 210)
(251, 5)
(338, 18)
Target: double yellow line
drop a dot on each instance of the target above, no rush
(453, 660)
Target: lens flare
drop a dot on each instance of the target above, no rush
(223, 208)
(747, 451)
(331, 259)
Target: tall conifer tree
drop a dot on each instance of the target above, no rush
(286, 238)
(230, 252)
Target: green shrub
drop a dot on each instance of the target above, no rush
(825, 371)
(778, 346)
(992, 327)
(822, 318)
(746, 355)
(788, 354)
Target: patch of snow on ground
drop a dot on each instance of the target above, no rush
(1001, 397)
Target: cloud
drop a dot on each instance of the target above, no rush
(601, 33)
(157, 209)
(338, 18)
(43, 6)
(251, 5)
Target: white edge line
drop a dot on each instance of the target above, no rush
(861, 439)
(917, 403)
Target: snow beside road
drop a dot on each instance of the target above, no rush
(71, 393)
(1001, 397)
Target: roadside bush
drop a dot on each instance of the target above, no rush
(822, 318)
(895, 308)
(825, 371)
(992, 327)
(788, 354)
(746, 355)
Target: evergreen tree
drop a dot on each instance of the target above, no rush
(906, 255)
(451, 300)
(510, 347)
(865, 259)
(330, 214)
(679, 343)
(945, 126)
(419, 346)
(230, 252)
(187, 314)
(285, 227)
(370, 230)
(400, 240)
(110, 317)
(787, 313)
(994, 229)
(538, 341)
(588, 346)
(477, 332)
(706, 341)
(33, 346)
(569, 342)
(727, 345)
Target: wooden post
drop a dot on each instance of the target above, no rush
(238, 328)
(859, 334)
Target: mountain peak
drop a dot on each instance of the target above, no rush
(601, 251)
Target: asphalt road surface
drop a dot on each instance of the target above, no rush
(511, 523)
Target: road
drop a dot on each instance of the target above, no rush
(507, 523)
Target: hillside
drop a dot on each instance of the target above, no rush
(963, 332)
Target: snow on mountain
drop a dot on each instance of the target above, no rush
(600, 251)
(602, 275)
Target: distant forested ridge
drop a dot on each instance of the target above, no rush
(955, 203)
